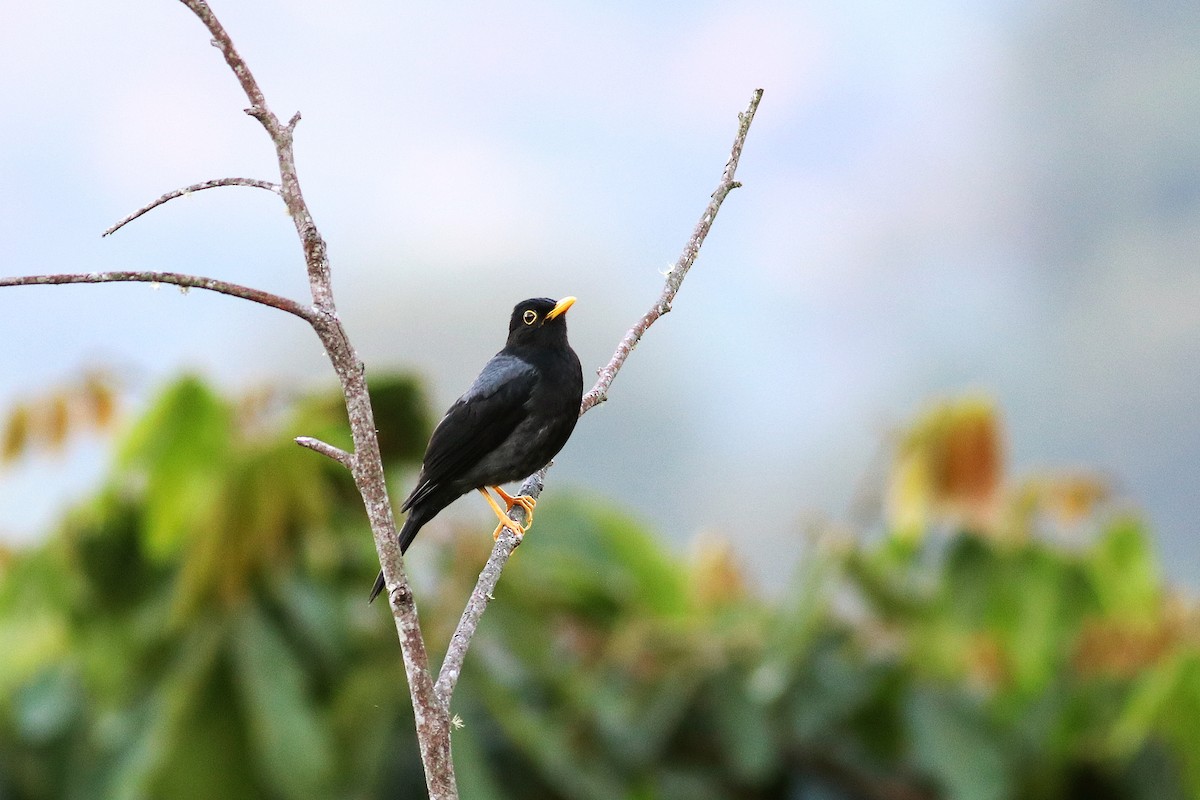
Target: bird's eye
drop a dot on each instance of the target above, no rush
(530, 317)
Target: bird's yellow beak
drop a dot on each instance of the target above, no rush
(561, 307)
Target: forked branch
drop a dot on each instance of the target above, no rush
(430, 701)
(315, 256)
(365, 464)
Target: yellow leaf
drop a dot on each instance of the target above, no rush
(16, 435)
(949, 466)
(57, 421)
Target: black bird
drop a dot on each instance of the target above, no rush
(516, 416)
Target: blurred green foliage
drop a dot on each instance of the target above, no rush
(199, 629)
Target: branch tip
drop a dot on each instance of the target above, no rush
(339, 455)
(187, 190)
(174, 278)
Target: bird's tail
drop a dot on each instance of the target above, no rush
(408, 532)
(377, 588)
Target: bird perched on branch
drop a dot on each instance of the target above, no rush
(516, 416)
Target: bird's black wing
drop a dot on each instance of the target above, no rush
(476, 424)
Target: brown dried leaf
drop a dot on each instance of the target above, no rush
(100, 399)
(950, 464)
(55, 421)
(16, 434)
(716, 577)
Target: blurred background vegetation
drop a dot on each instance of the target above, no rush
(198, 629)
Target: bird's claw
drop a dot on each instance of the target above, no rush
(513, 526)
(526, 503)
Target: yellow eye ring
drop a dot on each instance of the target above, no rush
(530, 317)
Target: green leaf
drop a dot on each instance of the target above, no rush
(954, 744)
(181, 449)
(160, 721)
(551, 744)
(288, 736)
(471, 769)
(1125, 573)
(34, 629)
(1181, 720)
(831, 684)
(48, 706)
(745, 729)
(597, 560)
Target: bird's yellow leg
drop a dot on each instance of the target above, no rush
(524, 501)
(505, 522)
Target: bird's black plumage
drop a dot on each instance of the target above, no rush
(513, 419)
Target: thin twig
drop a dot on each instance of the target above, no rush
(223, 43)
(195, 187)
(533, 485)
(175, 278)
(599, 392)
(324, 448)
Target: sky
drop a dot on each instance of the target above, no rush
(998, 197)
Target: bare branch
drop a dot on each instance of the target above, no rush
(324, 448)
(599, 392)
(365, 463)
(456, 653)
(187, 190)
(508, 541)
(315, 255)
(432, 717)
(430, 701)
(223, 43)
(178, 279)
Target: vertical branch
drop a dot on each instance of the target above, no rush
(366, 466)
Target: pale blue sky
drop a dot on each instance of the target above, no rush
(938, 197)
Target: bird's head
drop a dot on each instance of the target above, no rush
(539, 321)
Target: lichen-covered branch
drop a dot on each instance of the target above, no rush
(508, 541)
(324, 448)
(315, 256)
(187, 190)
(365, 463)
(175, 278)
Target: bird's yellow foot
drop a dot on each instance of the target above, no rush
(505, 522)
(514, 527)
(526, 503)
